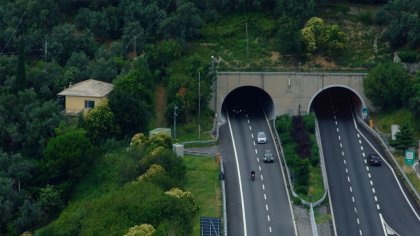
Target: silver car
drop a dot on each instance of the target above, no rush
(261, 137)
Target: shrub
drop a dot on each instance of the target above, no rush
(283, 123)
(409, 56)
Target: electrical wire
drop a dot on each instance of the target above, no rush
(14, 31)
(148, 27)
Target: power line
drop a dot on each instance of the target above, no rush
(148, 27)
(14, 31)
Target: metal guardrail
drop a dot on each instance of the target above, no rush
(377, 135)
(222, 181)
(311, 205)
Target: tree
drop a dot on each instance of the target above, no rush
(50, 201)
(15, 167)
(404, 23)
(100, 123)
(42, 76)
(183, 24)
(288, 37)
(26, 123)
(414, 100)
(297, 9)
(65, 39)
(9, 201)
(160, 55)
(78, 66)
(174, 166)
(318, 37)
(386, 85)
(131, 100)
(67, 156)
(20, 82)
(141, 230)
(103, 69)
(28, 216)
(404, 138)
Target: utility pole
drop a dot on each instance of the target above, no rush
(199, 105)
(45, 50)
(215, 84)
(135, 46)
(247, 40)
(175, 108)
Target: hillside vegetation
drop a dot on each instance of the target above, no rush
(57, 171)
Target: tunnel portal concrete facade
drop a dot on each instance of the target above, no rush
(291, 92)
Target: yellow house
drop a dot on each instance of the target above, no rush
(84, 95)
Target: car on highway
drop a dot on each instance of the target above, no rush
(374, 160)
(237, 109)
(268, 156)
(261, 137)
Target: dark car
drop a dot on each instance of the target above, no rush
(268, 156)
(374, 160)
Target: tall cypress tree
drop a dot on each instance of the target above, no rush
(20, 82)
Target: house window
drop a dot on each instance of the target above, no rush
(89, 104)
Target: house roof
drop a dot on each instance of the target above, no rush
(88, 88)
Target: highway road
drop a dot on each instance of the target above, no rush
(365, 200)
(259, 207)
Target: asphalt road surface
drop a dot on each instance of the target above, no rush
(259, 207)
(365, 200)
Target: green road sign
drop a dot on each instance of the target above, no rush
(365, 110)
(409, 157)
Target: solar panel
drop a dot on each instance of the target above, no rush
(210, 226)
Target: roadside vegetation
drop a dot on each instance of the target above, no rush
(152, 52)
(202, 180)
(301, 153)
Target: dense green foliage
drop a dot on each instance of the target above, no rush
(46, 45)
(152, 198)
(414, 99)
(387, 86)
(298, 141)
(404, 138)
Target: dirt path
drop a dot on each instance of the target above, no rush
(160, 106)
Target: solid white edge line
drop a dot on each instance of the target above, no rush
(389, 166)
(239, 176)
(383, 224)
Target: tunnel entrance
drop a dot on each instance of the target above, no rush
(249, 98)
(345, 95)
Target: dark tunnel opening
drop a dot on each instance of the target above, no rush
(341, 95)
(249, 98)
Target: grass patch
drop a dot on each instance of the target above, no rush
(408, 170)
(203, 183)
(384, 120)
(316, 184)
(189, 130)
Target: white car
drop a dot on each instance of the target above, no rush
(261, 137)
